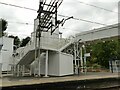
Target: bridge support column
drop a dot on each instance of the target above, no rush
(14, 70)
(81, 59)
(18, 70)
(39, 67)
(0, 70)
(75, 67)
(23, 70)
(46, 64)
(30, 70)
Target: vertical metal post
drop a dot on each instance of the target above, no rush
(111, 66)
(36, 45)
(34, 70)
(23, 70)
(75, 53)
(39, 56)
(85, 60)
(40, 8)
(18, 70)
(14, 70)
(81, 58)
(46, 64)
(30, 70)
(0, 69)
(75, 58)
(56, 14)
(115, 65)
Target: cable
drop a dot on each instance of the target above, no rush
(10, 33)
(58, 14)
(17, 6)
(21, 23)
(79, 19)
(84, 20)
(77, 0)
(64, 16)
(98, 7)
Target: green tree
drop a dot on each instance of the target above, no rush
(16, 40)
(25, 41)
(102, 52)
(3, 26)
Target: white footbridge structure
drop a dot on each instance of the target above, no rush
(59, 56)
(52, 61)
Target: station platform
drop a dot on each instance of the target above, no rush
(8, 81)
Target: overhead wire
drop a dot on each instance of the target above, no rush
(74, 18)
(83, 20)
(58, 14)
(17, 6)
(62, 0)
(97, 7)
(21, 23)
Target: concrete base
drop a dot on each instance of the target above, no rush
(46, 76)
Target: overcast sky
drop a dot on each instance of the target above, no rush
(68, 8)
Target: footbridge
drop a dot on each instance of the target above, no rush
(102, 33)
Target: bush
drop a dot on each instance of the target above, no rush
(96, 66)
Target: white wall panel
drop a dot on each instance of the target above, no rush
(6, 53)
(66, 64)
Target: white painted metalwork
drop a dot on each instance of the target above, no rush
(46, 64)
(0, 69)
(81, 59)
(99, 33)
(18, 70)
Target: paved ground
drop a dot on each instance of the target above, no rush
(15, 81)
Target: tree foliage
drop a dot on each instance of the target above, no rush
(16, 40)
(3, 25)
(25, 41)
(19, 43)
(102, 52)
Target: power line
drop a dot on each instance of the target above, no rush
(79, 19)
(98, 7)
(21, 23)
(77, 0)
(17, 6)
(63, 16)
(10, 33)
(58, 14)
